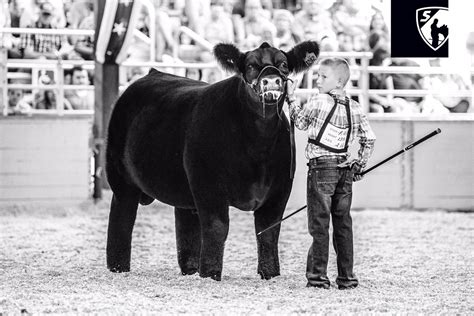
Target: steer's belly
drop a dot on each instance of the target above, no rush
(250, 197)
(156, 167)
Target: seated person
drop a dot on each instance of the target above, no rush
(79, 99)
(17, 103)
(389, 103)
(314, 22)
(45, 100)
(448, 83)
(42, 45)
(256, 25)
(81, 16)
(285, 38)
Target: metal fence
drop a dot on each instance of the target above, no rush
(359, 72)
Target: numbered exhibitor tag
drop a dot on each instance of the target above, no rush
(334, 137)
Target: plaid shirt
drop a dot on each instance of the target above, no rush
(41, 43)
(323, 104)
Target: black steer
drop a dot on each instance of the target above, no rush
(203, 148)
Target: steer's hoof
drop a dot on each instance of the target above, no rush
(189, 271)
(268, 276)
(118, 268)
(213, 275)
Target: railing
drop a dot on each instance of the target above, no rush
(202, 42)
(361, 72)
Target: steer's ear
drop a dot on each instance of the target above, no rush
(229, 56)
(302, 56)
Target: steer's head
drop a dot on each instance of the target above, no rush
(266, 68)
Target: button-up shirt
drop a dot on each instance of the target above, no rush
(322, 105)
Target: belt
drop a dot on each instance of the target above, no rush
(326, 159)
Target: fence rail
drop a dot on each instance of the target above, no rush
(362, 72)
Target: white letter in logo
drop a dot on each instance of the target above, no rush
(426, 15)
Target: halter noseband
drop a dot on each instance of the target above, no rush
(254, 86)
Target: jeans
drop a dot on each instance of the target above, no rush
(329, 193)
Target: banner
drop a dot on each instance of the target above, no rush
(116, 30)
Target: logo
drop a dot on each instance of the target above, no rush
(432, 24)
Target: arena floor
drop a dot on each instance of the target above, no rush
(52, 260)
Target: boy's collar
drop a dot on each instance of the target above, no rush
(338, 93)
(340, 96)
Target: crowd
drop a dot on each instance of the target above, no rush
(338, 25)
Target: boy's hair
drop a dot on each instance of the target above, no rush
(340, 66)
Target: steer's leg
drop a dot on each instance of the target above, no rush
(123, 211)
(188, 239)
(214, 229)
(267, 243)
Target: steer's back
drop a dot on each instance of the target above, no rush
(146, 135)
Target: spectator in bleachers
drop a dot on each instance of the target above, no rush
(45, 100)
(143, 22)
(197, 11)
(15, 12)
(403, 81)
(269, 34)
(285, 37)
(212, 76)
(164, 32)
(81, 16)
(194, 73)
(79, 99)
(237, 15)
(267, 8)
(42, 45)
(31, 11)
(447, 83)
(352, 18)
(255, 25)
(6, 39)
(17, 103)
(218, 29)
(219, 26)
(378, 32)
(313, 22)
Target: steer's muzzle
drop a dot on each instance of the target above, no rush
(270, 84)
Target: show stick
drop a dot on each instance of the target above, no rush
(410, 146)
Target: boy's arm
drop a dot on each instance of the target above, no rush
(299, 115)
(366, 141)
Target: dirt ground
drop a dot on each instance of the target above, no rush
(52, 260)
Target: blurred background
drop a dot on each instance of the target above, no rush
(56, 97)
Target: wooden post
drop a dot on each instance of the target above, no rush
(106, 82)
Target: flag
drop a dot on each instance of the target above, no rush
(116, 30)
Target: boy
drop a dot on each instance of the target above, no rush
(333, 121)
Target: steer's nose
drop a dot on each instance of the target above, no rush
(273, 82)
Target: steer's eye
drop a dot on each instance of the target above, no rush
(284, 64)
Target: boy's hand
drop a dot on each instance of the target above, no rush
(290, 89)
(357, 177)
(355, 167)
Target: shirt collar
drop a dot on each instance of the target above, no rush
(337, 93)
(340, 95)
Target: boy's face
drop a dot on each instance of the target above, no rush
(328, 79)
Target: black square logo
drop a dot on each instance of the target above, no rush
(420, 28)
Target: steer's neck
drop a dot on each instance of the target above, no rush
(261, 131)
